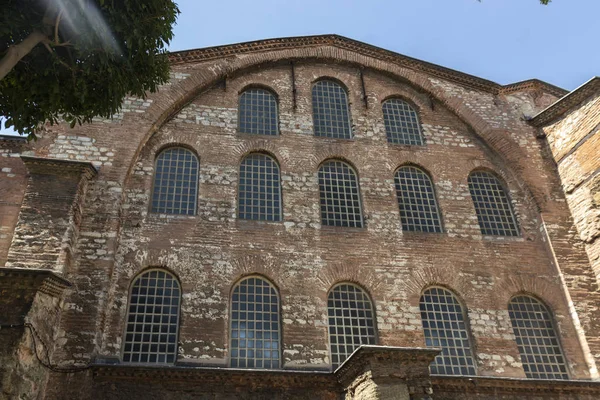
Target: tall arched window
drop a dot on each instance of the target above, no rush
(175, 189)
(152, 319)
(416, 200)
(339, 193)
(444, 326)
(331, 116)
(538, 344)
(492, 205)
(351, 321)
(259, 188)
(401, 123)
(258, 112)
(255, 329)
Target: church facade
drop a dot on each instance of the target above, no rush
(307, 218)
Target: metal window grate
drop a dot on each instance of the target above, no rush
(175, 188)
(259, 189)
(444, 326)
(351, 321)
(537, 341)
(492, 205)
(401, 123)
(416, 200)
(258, 112)
(331, 117)
(255, 337)
(152, 319)
(339, 194)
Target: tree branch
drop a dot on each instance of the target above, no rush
(56, 24)
(16, 52)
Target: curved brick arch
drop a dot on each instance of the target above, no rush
(180, 94)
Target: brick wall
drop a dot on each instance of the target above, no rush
(465, 128)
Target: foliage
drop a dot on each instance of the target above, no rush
(92, 53)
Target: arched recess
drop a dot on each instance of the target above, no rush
(183, 92)
(174, 97)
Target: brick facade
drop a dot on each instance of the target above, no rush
(77, 205)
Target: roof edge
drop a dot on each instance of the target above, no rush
(566, 103)
(214, 52)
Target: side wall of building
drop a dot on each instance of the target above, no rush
(575, 143)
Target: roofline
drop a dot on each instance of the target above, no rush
(214, 52)
(566, 103)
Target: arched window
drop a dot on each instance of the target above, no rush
(492, 205)
(416, 200)
(340, 197)
(444, 326)
(401, 123)
(351, 321)
(255, 330)
(537, 341)
(152, 319)
(258, 112)
(259, 188)
(331, 117)
(175, 189)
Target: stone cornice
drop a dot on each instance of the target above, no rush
(417, 359)
(232, 50)
(567, 103)
(533, 387)
(43, 280)
(53, 166)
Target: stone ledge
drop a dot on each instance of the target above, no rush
(54, 166)
(19, 286)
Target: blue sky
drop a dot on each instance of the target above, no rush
(501, 40)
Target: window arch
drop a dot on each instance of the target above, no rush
(538, 344)
(175, 189)
(152, 319)
(401, 123)
(331, 115)
(416, 200)
(351, 321)
(255, 330)
(492, 205)
(257, 112)
(339, 195)
(444, 326)
(259, 188)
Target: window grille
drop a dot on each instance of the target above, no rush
(258, 112)
(416, 201)
(255, 331)
(401, 123)
(492, 205)
(175, 188)
(152, 319)
(331, 117)
(259, 188)
(340, 197)
(351, 321)
(537, 341)
(444, 326)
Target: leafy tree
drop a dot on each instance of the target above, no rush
(76, 59)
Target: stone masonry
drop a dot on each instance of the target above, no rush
(75, 215)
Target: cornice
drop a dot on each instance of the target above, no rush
(43, 280)
(566, 103)
(53, 166)
(534, 387)
(299, 42)
(218, 377)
